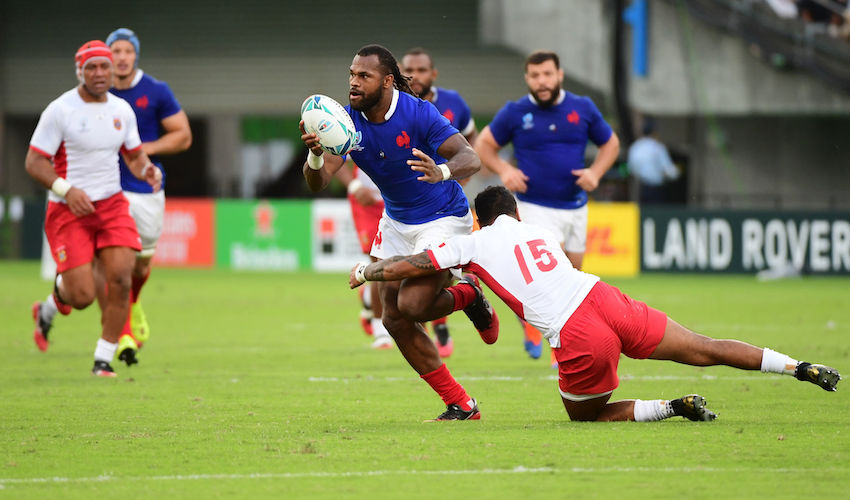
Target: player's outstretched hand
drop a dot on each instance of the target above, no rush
(79, 202)
(431, 173)
(515, 180)
(310, 140)
(586, 179)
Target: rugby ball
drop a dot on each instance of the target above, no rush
(329, 121)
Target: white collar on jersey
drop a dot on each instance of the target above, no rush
(561, 96)
(433, 94)
(137, 78)
(389, 111)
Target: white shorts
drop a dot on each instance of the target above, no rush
(568, 224)
(396, 238)
(148, 210)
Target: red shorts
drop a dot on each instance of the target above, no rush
(607, 323)
(366, 219)
(73, 240)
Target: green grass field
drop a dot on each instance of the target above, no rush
(263, 385)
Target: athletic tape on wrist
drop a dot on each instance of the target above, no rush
(359, 273)
(145, 169)
(354, 185)
(445, 170)
(315, 162)
(61, 187)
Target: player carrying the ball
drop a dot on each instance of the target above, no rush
(414, 156)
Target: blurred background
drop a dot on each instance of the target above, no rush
(750, 97)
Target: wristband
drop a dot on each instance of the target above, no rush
(359, 273)
(445, 170)
(315, 162)
(61, 187)
(145, 168)
(354, 185)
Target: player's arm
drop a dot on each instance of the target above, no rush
(176, 139)
(488, 150)
(320, 167)
(40, 168)
(140, 165)
(362, 194)
(461, 161)
(392, 269)
(588, 178)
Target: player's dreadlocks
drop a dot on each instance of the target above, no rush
(390, 65)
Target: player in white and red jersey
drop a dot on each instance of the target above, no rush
(587, 322)
(74, 152)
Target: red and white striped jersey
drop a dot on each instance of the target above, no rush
(83, 140)
(524, 265)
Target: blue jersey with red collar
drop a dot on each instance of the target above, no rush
(549, 143)
(451, 105)
(382, 151)
(152, 101)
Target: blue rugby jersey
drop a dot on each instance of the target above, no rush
(152, 101)
(382, 151)
(451, 105)
(549, 143)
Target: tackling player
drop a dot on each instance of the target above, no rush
(418, 65)
(164, 130)
(587, 322)
(74, 152)
(549, 129)
(413, 154)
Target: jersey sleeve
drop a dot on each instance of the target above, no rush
(457, 251)
(48, 133)
(131, 136)
(598, 131)
(500, 126)
(168, 104)
(465, 123)
(438, 126)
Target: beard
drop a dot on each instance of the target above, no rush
(425, 91)
(367, 101)
(554, 93)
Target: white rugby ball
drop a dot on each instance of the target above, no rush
(328, 120)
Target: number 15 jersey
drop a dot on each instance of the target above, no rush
(524, 265)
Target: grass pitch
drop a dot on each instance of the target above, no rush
(263, 385)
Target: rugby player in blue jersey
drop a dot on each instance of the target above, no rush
(418, 65)
(550, 129)
(414, 156)
(164, 130)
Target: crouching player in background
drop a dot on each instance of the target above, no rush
(587, 322)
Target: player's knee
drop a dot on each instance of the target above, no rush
(120, 284)
(413, 307)
(79, 297)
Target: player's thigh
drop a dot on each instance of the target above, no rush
(574, 224)
(587, 409)
(79, 283)
(681, 345)
(117, 263)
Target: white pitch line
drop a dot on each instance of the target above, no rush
(497, 378)
(516, 470)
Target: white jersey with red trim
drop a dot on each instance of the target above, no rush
(83, 140)
(524, 265)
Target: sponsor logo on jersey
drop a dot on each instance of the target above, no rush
(527, 121)
(403, 140)
(573, 117)
(142, 102)
(117, 123)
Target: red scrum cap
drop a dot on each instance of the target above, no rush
(89, 51)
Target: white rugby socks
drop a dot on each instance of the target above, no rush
(105, 351)
(776, 362)
(649, 411)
